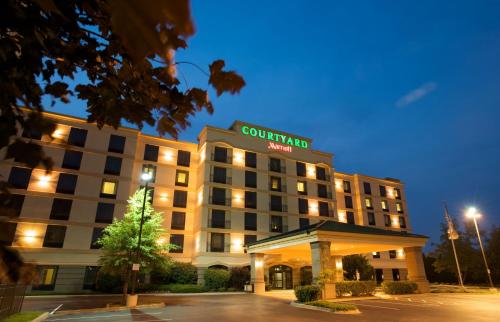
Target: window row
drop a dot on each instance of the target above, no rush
(151, 153)
(367, 188)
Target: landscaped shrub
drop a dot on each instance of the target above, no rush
(238, 277)
(108, 283)
(216, 279)
(399, 287)
(334, 307)
(355, 288)
(307, 293)
(183, 273)
(186, 288)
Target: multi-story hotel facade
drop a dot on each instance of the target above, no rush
(233, 187)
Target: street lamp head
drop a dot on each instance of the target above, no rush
(146, 176)
(472, 213)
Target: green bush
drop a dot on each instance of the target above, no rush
(238, 277)
(334, 307)
(399, 287)
(109, 283)
(355, 288)
(216, 279)
(186, 288)
(307, 293)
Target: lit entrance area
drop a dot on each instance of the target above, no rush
(298, 257)
(280, 277)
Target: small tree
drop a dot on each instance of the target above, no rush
(119, 240)
(360, 263)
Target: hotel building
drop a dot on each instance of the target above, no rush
(232, 188)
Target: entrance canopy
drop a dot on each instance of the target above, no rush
(345, 239)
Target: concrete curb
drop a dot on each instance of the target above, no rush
(41, 317)
(152, 294)
(109, 309)
(322, 309)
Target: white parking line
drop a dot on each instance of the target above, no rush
(407, 304)
(107, 316)
(381, 307)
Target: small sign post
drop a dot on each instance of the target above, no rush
(135, 267)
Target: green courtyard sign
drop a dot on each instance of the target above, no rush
(275, 137)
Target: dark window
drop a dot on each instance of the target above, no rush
(7, 233)
(324, 209)
(250, 221)
(397, 193)
(395, 274)
(113, 165)
(151, 152)
(392, 254)
(347, 186)
(61, 209)
(248, 239)
(178, 220)
(322, 191)
(387, 220)
(402, 222)
(321, 173)
(376, 254)
(303, 206)
(19, 177)
(77, 137)
(180, 198)
(116, 143)
(371, 219)
(47, 278)
(104, 213)
(217, 242)
(348, 202)
(151, 169)
(96, 234)
(66, 183)
(72, 159)
(275, 184)
(218, 219)
(276, 203)
(301, 169)
(183, 158)
(250, 159)
(251, 179)
(350, 218)
(32, 134)
(54, 236)
(276, 224)
(181, 178)
(275, 165)
(108, 189)
(90, 277)
(383, 191)
(219, 196)
(367, 187)
(11, 205)
(303, 222)
(220, 154)
(178, 241)
(220, 175)
(251, 199)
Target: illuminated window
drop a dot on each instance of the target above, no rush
(368, 203)
(302, 187)
(108, 189)
(397, 193)
(181, 178)
(347, 186)
(47, 278)
(151, 169)
(275, 184)
(385, 205)
(399, 207)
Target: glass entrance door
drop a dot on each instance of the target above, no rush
(280, 277)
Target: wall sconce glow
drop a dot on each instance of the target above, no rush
(30, 236)
(313, 207)
(160, 241)
(311, 171)
(338, 185)
(238, 197)
(237, 244)
(395, 222)
(400, 253)
(200, 197)
(390, 192)
(164, 197)
(197, 244)
(238, 158)
(342, 216)
(259, 263)
(202, 155)
(168, 156)
(374, 253)
(146, 176)
(58, 134)
(44, 181)
(338, 264)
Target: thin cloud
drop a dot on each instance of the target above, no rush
(416, 94)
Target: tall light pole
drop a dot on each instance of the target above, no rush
(452, 235)
(146, 177)
(472, 213)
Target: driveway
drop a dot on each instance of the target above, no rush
(243, 307)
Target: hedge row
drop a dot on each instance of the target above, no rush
(399, 287)
(355, 288)
(307, 293)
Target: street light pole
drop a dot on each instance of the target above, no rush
(146, 177)
(472, 213)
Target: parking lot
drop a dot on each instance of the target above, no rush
(427, 307)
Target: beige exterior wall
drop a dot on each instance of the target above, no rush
(34, 216)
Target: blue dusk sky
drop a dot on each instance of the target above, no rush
(403, 89)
